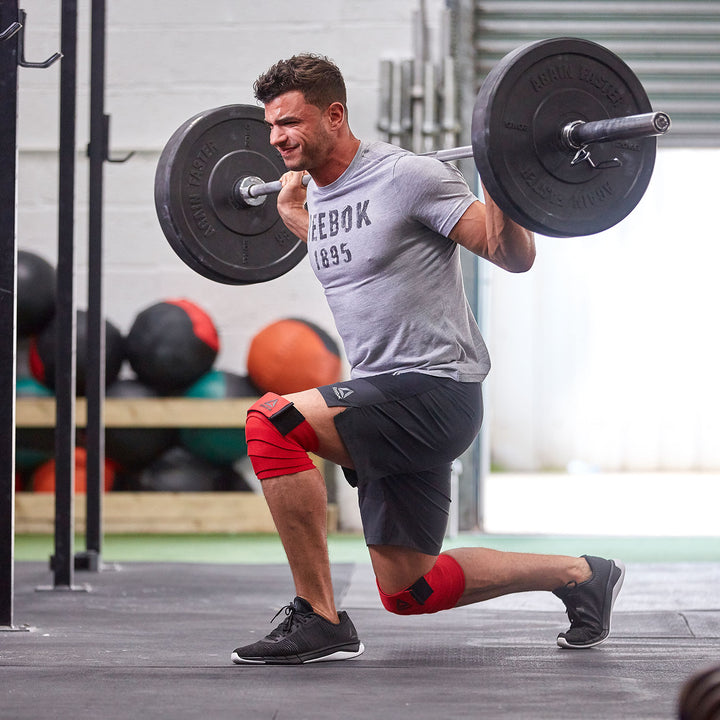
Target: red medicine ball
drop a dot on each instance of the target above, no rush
(293, 355)
(171, 345)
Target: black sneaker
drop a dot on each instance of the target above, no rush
(303, 637)
(589, 604)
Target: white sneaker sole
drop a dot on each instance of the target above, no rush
(339, 655)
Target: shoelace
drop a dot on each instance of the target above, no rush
(291, 618)
(572, 616)
(572, 613)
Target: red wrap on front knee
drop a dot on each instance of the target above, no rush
(440, 589)
(278, 438)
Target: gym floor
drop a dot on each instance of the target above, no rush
(152, 638)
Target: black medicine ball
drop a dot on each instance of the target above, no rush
(134, 448)
(36, 280)
(42, 353)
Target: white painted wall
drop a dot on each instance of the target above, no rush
(606, 353)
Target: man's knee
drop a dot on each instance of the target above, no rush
(439, 589)
(278, 438)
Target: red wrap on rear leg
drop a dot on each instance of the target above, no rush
(278, 438)
(440, 589)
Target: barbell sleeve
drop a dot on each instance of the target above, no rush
(578, 134)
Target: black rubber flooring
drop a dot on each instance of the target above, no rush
(154, 641)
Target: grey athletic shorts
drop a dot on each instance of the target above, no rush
(403, 432)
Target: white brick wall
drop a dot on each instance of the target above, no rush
(166, 61)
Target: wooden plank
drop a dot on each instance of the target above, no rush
(159, 513)
(186, 513)
(143, 412)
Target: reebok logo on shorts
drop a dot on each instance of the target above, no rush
(342, 392)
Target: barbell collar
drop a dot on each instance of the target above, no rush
(243, 187)
(576, 135)
(252, 190)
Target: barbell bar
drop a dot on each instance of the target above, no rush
(576, 135)
(563, 138)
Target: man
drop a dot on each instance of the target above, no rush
(382, 227)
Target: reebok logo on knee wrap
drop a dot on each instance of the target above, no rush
(440, 589)
(278, 438)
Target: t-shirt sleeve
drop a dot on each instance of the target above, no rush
(434, 193)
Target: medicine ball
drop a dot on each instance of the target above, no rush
(178, 470)
(171, 345)
(220, 445)
(36, 280)
(700, 695)
(43, 479)
(42, 353)
(292, 355)
(134, 448)
(33, 446)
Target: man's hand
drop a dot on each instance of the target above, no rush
(291, 203)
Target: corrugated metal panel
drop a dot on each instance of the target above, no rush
(672, 45)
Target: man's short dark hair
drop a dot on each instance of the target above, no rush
(315, 76)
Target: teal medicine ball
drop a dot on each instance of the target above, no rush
(225, 445)
(33, 446)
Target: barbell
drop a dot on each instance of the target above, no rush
(563, 137)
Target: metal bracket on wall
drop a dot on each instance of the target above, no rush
(21, 47)
(105, 153)
(10, 31)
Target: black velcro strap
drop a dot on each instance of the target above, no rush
(287, 419)
(279, 411)
(421, 591)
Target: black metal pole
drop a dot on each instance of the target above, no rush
(63, 561)
(8, 272)
(95, 371)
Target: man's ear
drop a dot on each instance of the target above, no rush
(335, 114)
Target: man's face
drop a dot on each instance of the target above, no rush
(298, 130)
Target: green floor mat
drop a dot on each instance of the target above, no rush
(348, 548)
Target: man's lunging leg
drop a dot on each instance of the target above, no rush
(298, 504)
(279, 438)
(588, 586)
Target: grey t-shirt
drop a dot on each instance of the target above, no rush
(377, 243)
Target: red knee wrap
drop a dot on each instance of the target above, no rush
(440, 589)
(278, 438)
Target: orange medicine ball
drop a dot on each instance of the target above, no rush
(43, 479)
(292, 355)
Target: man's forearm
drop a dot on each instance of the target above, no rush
(296, 220)
(510, 245)
(486, 231)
